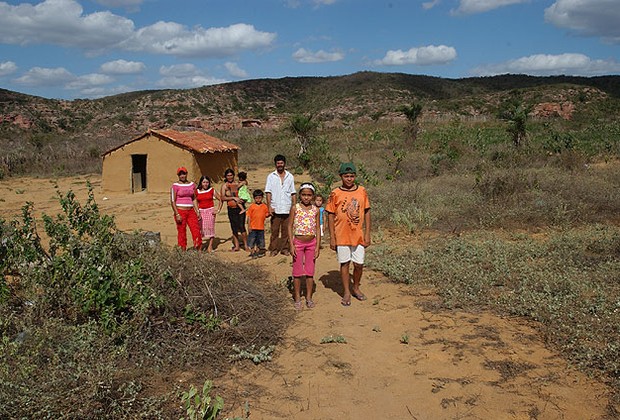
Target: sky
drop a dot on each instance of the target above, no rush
(69, 49)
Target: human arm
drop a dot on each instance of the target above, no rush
(173, 204)
(331, 217)
(367, 228)
(317, 234)
(216, 196)
(291, 220)
(195, 203)
(268, 202)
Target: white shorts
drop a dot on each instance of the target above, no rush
(348, 253)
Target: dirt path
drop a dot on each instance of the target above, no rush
(456, 365)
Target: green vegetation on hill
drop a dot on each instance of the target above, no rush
(78, 132)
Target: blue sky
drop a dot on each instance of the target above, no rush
(92, 48)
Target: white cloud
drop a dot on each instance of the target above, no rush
(430, 4)
(323, 2)
(128, 4)
(469, 7)
(545, 64)
(587, 17)
(89, 81)
(174, 39)
(61, 22)
(422, 56)
(184, 76)
(122, 67)
(305, 56)
(186, 69)
(40, 76)
(98, 91)
(7, 67)
(235, 70)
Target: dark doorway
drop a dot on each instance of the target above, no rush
(138, 173)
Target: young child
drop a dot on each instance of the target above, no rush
(318, 202)
(243, 191)
(304, 229)
(348, 209)
(257, 213)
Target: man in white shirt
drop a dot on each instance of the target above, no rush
(281, 196)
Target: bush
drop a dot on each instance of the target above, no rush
(87, 324)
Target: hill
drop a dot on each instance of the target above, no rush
(359, 95)
(85, 128)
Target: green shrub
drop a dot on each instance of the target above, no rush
(88, 322)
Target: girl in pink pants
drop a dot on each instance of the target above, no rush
(304, 227)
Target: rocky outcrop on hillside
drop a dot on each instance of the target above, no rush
(334, 101)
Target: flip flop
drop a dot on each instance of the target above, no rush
(359, 296)
(345, 302)
(310, 304)
(298, 305)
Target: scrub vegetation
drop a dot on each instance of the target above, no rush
(491, 205)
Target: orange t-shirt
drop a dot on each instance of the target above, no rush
(257, 213)
(349, 208)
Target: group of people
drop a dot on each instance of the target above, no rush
(297, 220)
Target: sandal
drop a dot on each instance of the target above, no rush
(298, 306)
(359, 296)
(310, 304)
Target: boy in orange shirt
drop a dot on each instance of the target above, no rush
(348, 209)
(256, 214)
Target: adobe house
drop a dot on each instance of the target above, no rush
(149, 162)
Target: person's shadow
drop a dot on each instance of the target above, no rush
(331, 280)
(217, 242)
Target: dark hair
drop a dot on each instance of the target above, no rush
(228, 171)
(242, 176)
(202, 178)
(257, 193)
(279, 158)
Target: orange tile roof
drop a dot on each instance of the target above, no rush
(195, 140)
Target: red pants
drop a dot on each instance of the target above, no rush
(188, 219)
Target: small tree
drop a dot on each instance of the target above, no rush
(412, 112)
(303, 127)
(516, 113)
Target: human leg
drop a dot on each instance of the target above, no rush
(273, 239)
(208, 223)
(253, 243)
(345, 255)
(358, 269)
(243, 236)
(182, 228)
(298, 259)
(285, 245)
(309, 291)
(194, 228)
(232, 219)
(297, 292)
(210, 245)
(279, 228)
(261, 243)
(357, 256)
(346, 280)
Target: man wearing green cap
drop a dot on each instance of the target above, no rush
(348, 208)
